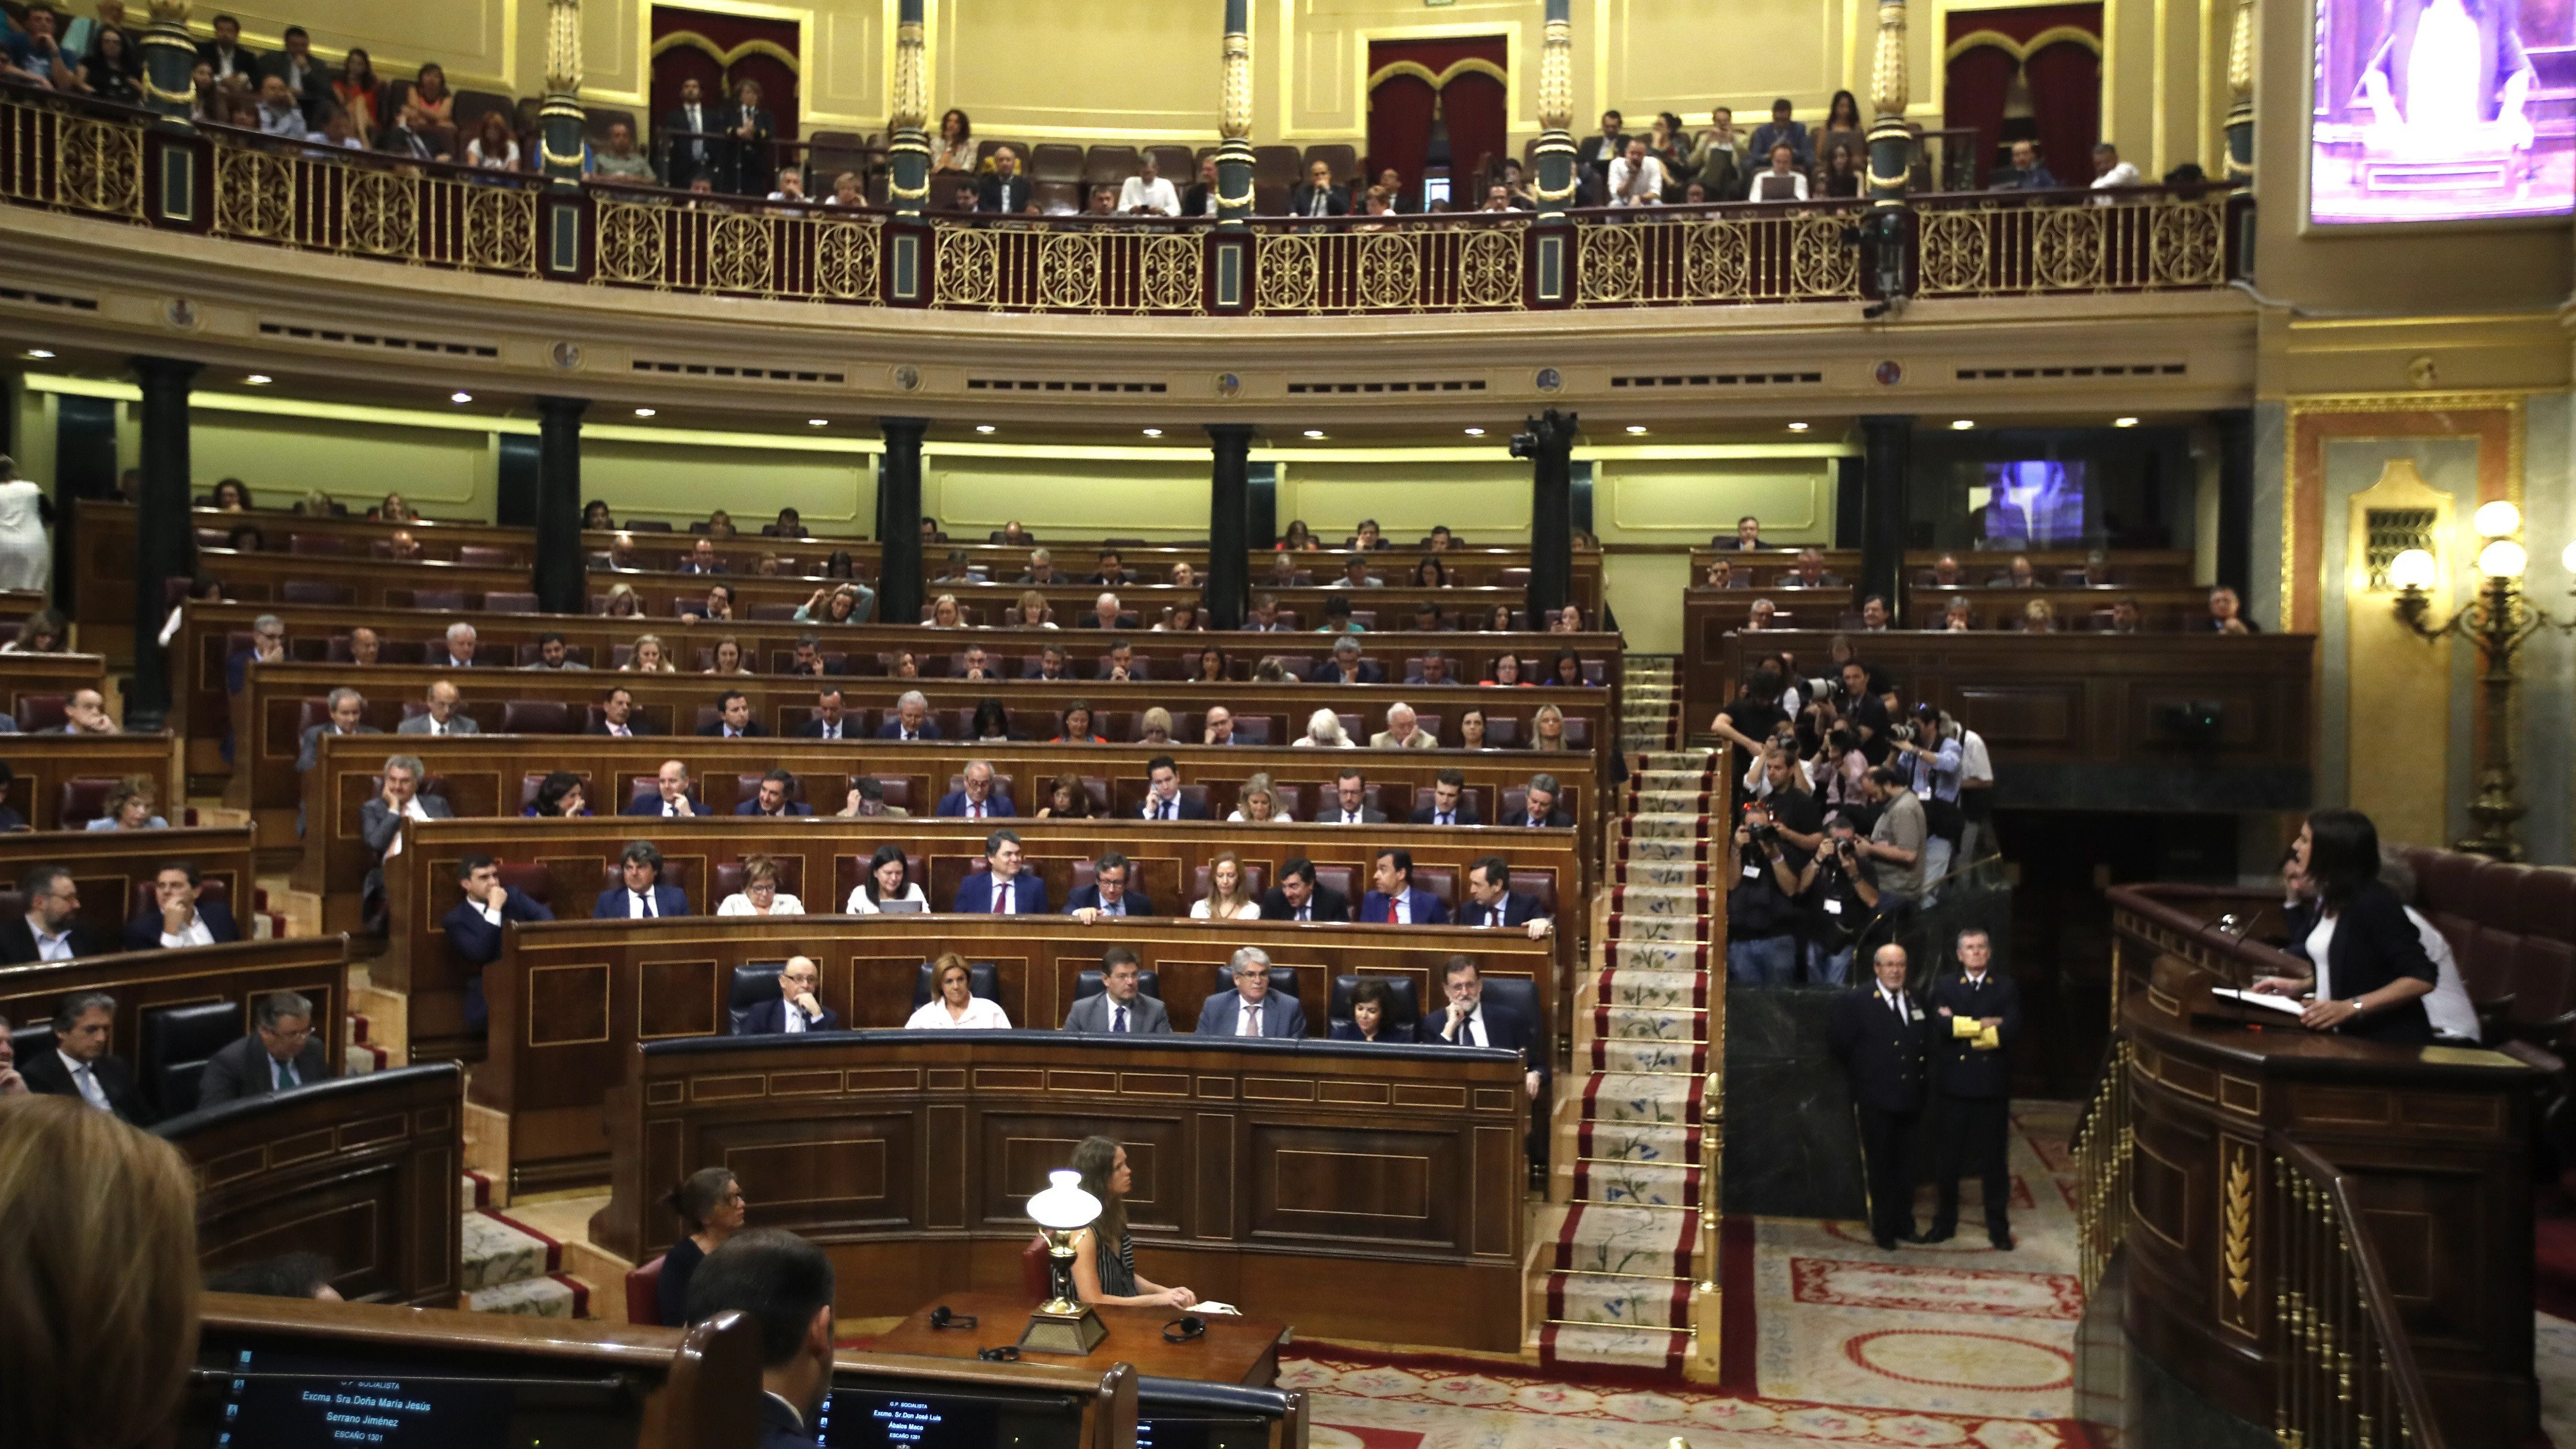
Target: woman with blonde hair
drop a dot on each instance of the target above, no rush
(953, 1004)
(129, 805)
(650, 657)
(623, 603)
(98, 1276)
(1229, 896)
(944, 613)
(2038, 617)
(1324, 730)
(1547, 728)
(760, 895)
(1031, 611)
(1258, 803)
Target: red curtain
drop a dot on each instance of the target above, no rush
(2065, 80)
(1399, 130)
(2066, 97)
(1973, 95)
(1479, 126)
(1402, 106)
(728, 34)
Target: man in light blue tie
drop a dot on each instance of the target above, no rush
(281, 1055)
(80, 1066)
(1120, 1007)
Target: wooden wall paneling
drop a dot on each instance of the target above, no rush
(107, 865)
(316, 967)
(42, 763)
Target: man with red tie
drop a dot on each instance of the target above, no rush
(1396, 901)
(975, 798)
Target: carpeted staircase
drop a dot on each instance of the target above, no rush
(510, 1267)
(1627, 1144)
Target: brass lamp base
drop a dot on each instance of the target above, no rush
(1053, 1330)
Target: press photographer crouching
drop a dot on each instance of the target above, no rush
(1775, 845)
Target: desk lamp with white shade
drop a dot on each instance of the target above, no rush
(1063, 1324)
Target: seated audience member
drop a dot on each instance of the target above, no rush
(1567, 667)
(380, 819)
(552, 653)
(1397, 901)
(267, 646)
(86, 714)
(953, 1004)
(976, 796)
(1049, 665)
(775, 797)
(1041, 569)
(1076, 726)
(1956, 616)
(887, 883)
(1324, 730)
(718, 605)
(797, 1009)
(1109, 895)
(639, 893)
(733, 720)
(1154, 727)
(1163, 797)
(1568, 620)
(288, 1275)
(1809, 573)
(830, 719)
(1355, 574)
(1757, 616)
(1120, 1008)
(1426, 620)
(1258, 803)
(1947, 573)
(618, 716)
(1003, 888)
(1494, 904)
(1104, 613)
(79, 1065)
(177, 918)
(51, 929)
(2226, 614)
(282, 1053)
(847, 603)
(2020, 575)
(1031, 612)
(129, 805)
(1298, 896)
(2039, 616)
(1337, 616)
(443, 717)
(711, 1208)
(911, 720)
(1371, 1006)
(1748, 535)
(702, 559)
(1347, 667)
(1067, 799)
(977, 666)
(1112, 570)
(1104, 1254)
(1435, 667)
(728, 658)
(808, 658)
(671, 794)
(1506, 674)
(867, 798)
(1122, 664)
(1470, 1020)
(649, 656)
(474, 925)
(1874, 617)
(1403, 731)
(1251, 1008)
(622, 601)
(760, 895)
(1229, 896)
(461, 645)
(101, 1263)
(43, 632)
(1449, 805)
(2125, 618)
(1540, 808)
(1184, 577)
(1547, 728)
(364, 646)
(1349, 803)
(1218, 728)
(1265, 613)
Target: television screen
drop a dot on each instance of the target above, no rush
(2433, 110)
(2034, 503)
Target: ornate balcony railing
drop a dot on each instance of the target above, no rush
(2346, 1371)
(87, 158)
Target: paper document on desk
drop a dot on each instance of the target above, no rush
(2286, 1005)
(1206, 1305)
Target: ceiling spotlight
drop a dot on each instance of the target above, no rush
(1314, 432)
(1797, 427)
(1962, 425)
(1153, 432)
(40, 353)
(2124, 422)
(460, 397)
(818, 422)
(257, 379)
(643, 412)
(983, 427)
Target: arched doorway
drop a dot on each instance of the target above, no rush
(719, 52)
(2052, 56)
(1436, 103)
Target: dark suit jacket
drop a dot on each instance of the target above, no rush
(245, 60)
(305, 757)
(377, 823)
(316, 89)
(975, 894)
(780, 1428)
(1958, 1069)
(477, 940)
(1089, 895)
(812, 729)
(1504, 1028)
(893, 729)
(18, 940)
(996, 806)
(752, 807)
(45, 1072)
(143, 933)
(750, 158)
(685, 163)
(1189, 809)
(1281, 1016)
(1518, 910)
(1882, 1059)
(667, 901)
(2374, 944)
(1301, 200)
(1332, 815)
(242, 1070)
(1194, 201)
(714, 729)
(994, 194)
(1377, 908)
(635, 725)
(1350, 1031)
(1466, 813)
(651, 804)
(1329, 904)
(769, 1018)
(1330, 673)
(1555, 818)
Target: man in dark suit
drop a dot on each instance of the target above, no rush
(784, 1285)
(79, 1065)
(1470, 1020)
(1200, 199)
(733, 719)
(1120, 1008)
(1349, 805)
(348, 708)
(1108, 897)
(307, 79)
(51, 930)
(1783, 126)
(748, 129)
(1163, 797)
(1538, 806)
(380, 820)
(1397, 901)
(673, 795)
(1251, 1008)
(1877, 1033)
(691, 156)
(226, 55)
(442, 717)
(1048, 665)
(1492, 903)
(462, 646)
(177, 917)
(1005, 192)
(975, 797)
(1449, 803)
(282, 1054)
(475, 925)
(639, 893)
(1317, 195)
(796, 1010)
(1972, 1072)
(830, 719)
(776, 796)
(1346, 666)
(619, 717)
(1298, 897)
(1592, 159)
(1002, 888)
(911, 720)
(702, 559)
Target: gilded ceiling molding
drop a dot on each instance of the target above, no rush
(1472, 65)
(728, 59)
(2021, 50)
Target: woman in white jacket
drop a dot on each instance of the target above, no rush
(26, 555)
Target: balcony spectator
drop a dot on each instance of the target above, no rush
(1005, 192)
(2226, 614)
(617, 160)
(225, 54)
(2109, 170)
(846, 191)
(1498, 197)
(2027, 172)
(1784, 181)
(1317, 196)
(1840, 175)
(748, 128)
(430, 109)
(1636, 177)
(357, 91)
(1200, 199)
(1784, 130)
(34, 56)
(1593, 158)
(791, 185)
(1718, 154)
(1843, 127)
(1148, 193)
(307, 79)
(113, 69)
(279, 115)
(687, 136)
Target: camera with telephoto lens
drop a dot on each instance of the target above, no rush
(1902, 733)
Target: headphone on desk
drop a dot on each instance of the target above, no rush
(1188, 1326)
(941, 1317)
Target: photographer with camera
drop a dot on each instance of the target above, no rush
(1835, 771)
(1894, 846)
(1928, 755)
(1861, 705)
(1840, 894)
(1748, 719)
(1774, 846)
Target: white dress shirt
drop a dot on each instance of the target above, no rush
(1470, 1032)
(1158, 808)
(620, 731)
(832, 728)
(196, 934)
(54, 947)
(1156, 194)
(781, 904)
(639, 904)
(1639, 185)
(282, 1075)
(2122, 174)
(981, 1015)
(1006, 896)
(411, 811)
(1399, 909)
(1248, 911)
(796, 1022)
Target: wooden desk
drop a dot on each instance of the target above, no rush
(35, 687)
(2152, 568)
(44, 763)
(1234, 1351)
(108, 865)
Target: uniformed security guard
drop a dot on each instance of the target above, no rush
(1973, 1076)
(1877, 1033)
